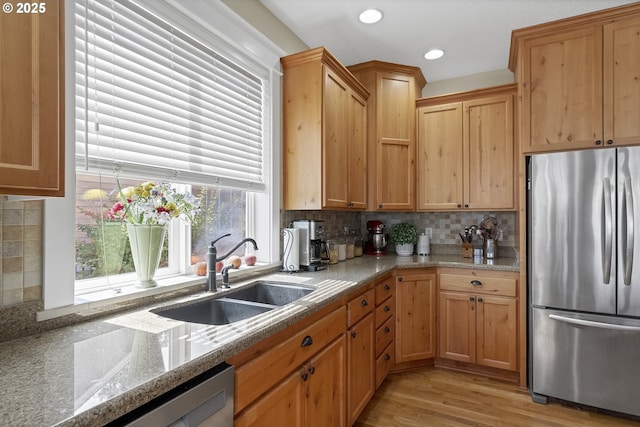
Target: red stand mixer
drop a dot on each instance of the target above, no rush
(377, 240)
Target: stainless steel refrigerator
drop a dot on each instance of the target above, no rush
(584, 277)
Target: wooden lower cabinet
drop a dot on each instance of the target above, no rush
(415, 315)
(478, 320)
(361, 367)
(312, 395)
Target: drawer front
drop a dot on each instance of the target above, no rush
(360, 306)
(478, 284)
(385, 289)
(384, 363)
(385, 310)
(385, 334)
(262, 373)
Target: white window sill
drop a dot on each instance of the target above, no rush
(89, 303)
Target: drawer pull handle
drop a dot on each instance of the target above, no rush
(312, 370)
(472, 299)
(386, 287)
(476, 283)
(306, 341)
(386, 356)
(304, 376)
(353, 334)
(387, 308)
(479, 299)
(386, 330)
(364, 303)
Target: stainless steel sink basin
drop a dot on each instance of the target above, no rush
(219, 311)
(238, 304)
(266, 292)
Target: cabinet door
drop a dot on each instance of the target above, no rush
(325, 387)
(335, 141)
(357, 178)
(281, 406)
(32, 102)
(496, 321)
(415, 317)
(457, 327)
(488, 153)
(361, 366)
(561, 81)
(621, 83)
(395, 144)
(440, 158)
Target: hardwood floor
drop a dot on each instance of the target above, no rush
(438, 397)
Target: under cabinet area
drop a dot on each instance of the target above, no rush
(415, 316)
(391, 133)
(477, 315)
(324, 134)
(466, 140)
(32, 96)
(578, 82)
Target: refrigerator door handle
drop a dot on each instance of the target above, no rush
(627, 224)
(607, 231)
(591, 323)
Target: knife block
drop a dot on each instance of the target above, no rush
(467, 250)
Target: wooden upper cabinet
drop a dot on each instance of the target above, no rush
(466, 151)
(391, 132)
(324, 134)
(32, 102)
(578, 83)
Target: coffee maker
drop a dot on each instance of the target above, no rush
(311, 242)
(377, 240)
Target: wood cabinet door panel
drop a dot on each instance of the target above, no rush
(384, 362)
(385, 310)
(497, 332)
(457, 327)
(415, 317)
(489, 153)
(622, 81)
(396, 175)
(336, 135)
(396, 113)
(385, 334)
(325, 388)
(357, 178)
(562, 91)
(361, 371)
(440, 157)
(282, 406)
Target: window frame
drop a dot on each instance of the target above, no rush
(211, 22)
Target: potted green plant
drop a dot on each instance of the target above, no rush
(404, 236)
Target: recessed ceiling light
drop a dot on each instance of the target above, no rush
(434, 54)
(370, 16)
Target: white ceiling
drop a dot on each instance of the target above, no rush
(475, 34)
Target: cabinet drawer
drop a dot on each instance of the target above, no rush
(359, 306)
(385, 334)
(384, 290)
(478, 284)
(262, 373)
(384, 363)
(385, 310)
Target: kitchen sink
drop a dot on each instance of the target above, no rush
(239, 304)
(219, 311)
(266, 292)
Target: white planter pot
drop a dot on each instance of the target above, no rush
(404, 249)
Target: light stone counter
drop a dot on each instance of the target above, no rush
(92, 373)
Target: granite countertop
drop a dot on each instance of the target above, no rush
(91, 373)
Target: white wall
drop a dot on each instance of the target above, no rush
(474, 81)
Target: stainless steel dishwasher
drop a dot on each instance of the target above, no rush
(205, 401)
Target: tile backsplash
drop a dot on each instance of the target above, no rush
(21, 249)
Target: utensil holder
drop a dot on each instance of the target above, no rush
(467, 250)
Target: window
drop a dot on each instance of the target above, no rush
(161, 93)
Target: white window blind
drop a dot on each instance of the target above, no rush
(153, 102)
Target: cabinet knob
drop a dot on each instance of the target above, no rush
(304, 376)
(387, 308)
(353, 334)
(386, 287)
(380, 206)
(312, 370)
(364, 303)
(399, 279)
(386, 330)
(306, 341)
(479, 299)
(386, 356)
(466, 205)
(609, 141)
(476, 283)
(459, 205)
(472, 299)
(598, 142)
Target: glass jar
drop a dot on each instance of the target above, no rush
(349, 239)
(332, 246)
(342, 249)
(357, 245)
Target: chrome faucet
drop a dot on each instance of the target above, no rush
(212, 258)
